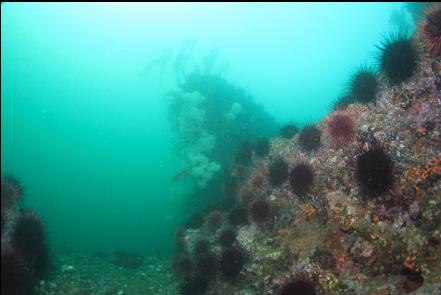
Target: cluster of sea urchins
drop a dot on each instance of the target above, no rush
(373, 166)
(197, 264)
(25, 255)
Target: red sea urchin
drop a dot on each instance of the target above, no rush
(431, 29)
(340, 129)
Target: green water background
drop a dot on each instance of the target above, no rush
(88, 134)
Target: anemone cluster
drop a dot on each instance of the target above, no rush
(25, 253)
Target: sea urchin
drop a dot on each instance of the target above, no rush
(364, 85)
(16, 277)
(231, 262)
(431, 29)
(29, 239)
(340, 129)
(278, 172)
(398, 58)
(374, 171)
(309, 138)
(260, 211)
(298, 286)
(301, 179)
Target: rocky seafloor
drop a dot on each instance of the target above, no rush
(334, 237)
(108, 274)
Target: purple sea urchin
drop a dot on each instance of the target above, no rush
(227, 237)
(309, 138)
(260, 211)
(29, 239)
(16, 277)
(245, 195)
(231, 262)
(364, 85)
(238, 216)
(298, 286)
(201, 246)
(244, 155)
(288, 131)
(214, 220)
(182, 264)
(343, 102)
(374, 171)
(301, 179)
(398, 58)
(278, 172)
(262, 147)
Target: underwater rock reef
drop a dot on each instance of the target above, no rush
(24, 250)
(349, 205)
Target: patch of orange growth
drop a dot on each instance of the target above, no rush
(435, 166)
(396, 99)
(421, 131)
(421, 173)
(375, 218)
(409, 263)
(341, 260)
(418, 193)
(418, 147)
(336, 212)
(282, 233)
(309, 210)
